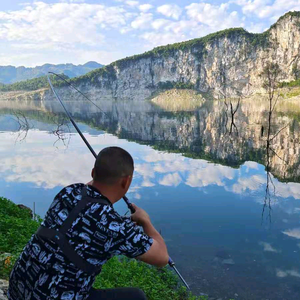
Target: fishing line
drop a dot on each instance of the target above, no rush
(129, 205)
(75, 88)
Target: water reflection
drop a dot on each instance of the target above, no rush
(209, 208)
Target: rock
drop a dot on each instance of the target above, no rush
(3, 289)
(228, 261)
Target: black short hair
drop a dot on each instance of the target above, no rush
(111, 164)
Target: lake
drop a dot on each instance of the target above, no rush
(224, 193)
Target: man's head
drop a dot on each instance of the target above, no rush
(113, 171)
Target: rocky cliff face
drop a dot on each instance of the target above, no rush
(233, 54)
(228, 61)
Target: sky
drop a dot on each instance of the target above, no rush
(76, 31)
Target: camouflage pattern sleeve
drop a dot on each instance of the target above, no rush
(130, 240)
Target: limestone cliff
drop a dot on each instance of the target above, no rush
(200, 64)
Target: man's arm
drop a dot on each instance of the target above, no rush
(157, 255)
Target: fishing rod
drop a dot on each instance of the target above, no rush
(129, 205)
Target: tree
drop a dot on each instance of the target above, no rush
(271, 75)
(295, 71)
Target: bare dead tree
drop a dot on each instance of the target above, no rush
(232, 114)
(230, 108)
(271, 75)
(24, 126)
(62, 132)
(223, 91)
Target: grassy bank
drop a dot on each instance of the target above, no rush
(16, 228)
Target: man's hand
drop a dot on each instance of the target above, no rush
(140, 217)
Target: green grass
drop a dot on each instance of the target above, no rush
(157, 284)
(293, 83)
(16, 228)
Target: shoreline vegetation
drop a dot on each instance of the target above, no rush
(17, 226)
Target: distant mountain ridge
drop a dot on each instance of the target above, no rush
(11, 74)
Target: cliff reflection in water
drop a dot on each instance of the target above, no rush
(220, 226)
(210, 132)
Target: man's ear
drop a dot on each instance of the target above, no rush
(125, 182)
(93, 173)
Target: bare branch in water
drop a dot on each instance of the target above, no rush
(62, 132)
(276, 134)
(274, 152)
(233, 112)
(230, 110)
(24, 126)
(271, 74)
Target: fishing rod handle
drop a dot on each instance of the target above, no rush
(171, 262)
(129, 205)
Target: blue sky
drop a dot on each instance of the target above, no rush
(76, 31)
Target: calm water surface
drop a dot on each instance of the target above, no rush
(231, 234)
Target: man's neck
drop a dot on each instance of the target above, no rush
(108, 191)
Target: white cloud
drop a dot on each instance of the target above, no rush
(147, 183)
(251, 165)
(155, 39)
(268, 247)
(267, 8)
(198, 20)
(170, 10)
(145, 7)
(252, 183)
(282, 274)
(37, 31)
(145, 170)
(171, 180)
(137, 196)
(156, 156)
(209, 175)
(142, 21)
(159, 23)
(28, 165)
(41, 32)
(216, 16)
(132, 3)
(295, 233)
(60, 23)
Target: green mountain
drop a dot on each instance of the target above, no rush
(10, 74)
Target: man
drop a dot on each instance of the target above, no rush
(80, 232)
